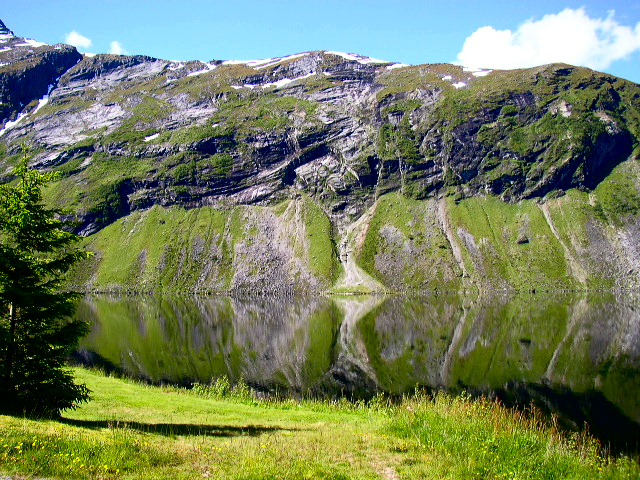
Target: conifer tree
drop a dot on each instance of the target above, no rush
(36, 331)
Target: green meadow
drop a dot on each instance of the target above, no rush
(131, 430)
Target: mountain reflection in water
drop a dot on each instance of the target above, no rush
(577, 355)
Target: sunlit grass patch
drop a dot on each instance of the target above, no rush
(132, 430)
(50, 449)
(461, 437)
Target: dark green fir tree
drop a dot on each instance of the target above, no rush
(36, 329)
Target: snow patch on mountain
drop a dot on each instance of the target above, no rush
(265, 62)
(355, 57)
(277, 84)
(208, 68)
(10, 124)
(286, 81)
(269, 62)
(151, 137)
(29, 42)
(397, 65)
(477, 72)
(41, 103)
(238, 62)
(176, 65)
(45, 99)
(4, 31)
(274, 61)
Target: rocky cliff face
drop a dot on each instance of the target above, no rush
(29, 71)
(342, 133)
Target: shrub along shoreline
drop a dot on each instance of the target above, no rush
(133, 430)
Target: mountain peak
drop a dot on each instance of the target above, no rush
(4, 30)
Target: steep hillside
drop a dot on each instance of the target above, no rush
(324, 170)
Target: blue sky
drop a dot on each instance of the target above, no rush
(483, 33)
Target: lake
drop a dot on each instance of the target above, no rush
(576, 355)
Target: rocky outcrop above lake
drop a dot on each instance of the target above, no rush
(344, 134)
(29, 71)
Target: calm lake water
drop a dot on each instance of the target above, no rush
(576, 355)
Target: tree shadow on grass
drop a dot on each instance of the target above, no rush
(173, 429)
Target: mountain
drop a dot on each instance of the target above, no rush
(330, 171)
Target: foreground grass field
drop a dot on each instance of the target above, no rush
(130, 430)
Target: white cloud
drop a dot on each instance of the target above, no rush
(570, 36)
(77, 40)
(117, 49)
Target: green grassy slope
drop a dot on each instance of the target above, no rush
(576, 241)
(207, 249)
(580, 240)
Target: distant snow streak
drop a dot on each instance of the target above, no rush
(274, 61)
(269, 62)
(151, 137)
(355, 57)
(238, 62)
(41, 103)
(9, 125)
(34, 43)
(208, 68)
(278, 84)
(286, 81)
(477, 72)
(459, 84)
(265, 62)
(396, 65)
(45, 99)
(28, 42)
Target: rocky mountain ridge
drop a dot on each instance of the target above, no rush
(4, 30)
(325, 140)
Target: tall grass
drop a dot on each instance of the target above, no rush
(461, 437)
(221, 388)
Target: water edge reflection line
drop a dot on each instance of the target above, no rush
(585, 344)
